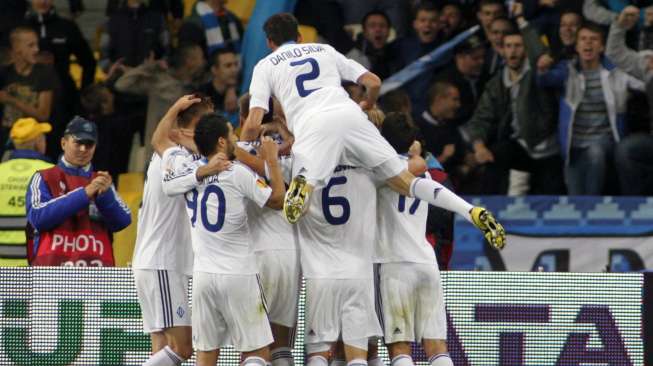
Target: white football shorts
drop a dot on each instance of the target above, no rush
(412, 302)
(163, 297)
(229, 310)
(280, 276)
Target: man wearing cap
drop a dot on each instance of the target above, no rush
(28, 136)
(73, 209)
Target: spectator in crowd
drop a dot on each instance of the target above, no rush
(371, 48)
(451, 20)
(441, 137)
(466, 74)
(59, 39)
(11, 14)
(72, 208)
(397, 12)
(135, 31)
(427, 27)
(28, 136)
(213, 26)
(163, 85)
(225, 70)
(26, 86)
(634, 154)
(488, 10)
(493, 59)
(408, 49)
(592, 107)
(564, 46)
(514, 125)
(114, 132)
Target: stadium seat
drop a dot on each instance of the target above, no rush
(130, 183)
(309, 34)
(242, 8)
(124, 240)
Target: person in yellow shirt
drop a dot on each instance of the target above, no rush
(28, 136)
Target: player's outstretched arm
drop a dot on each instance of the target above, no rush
(372, 84)
(250, 130)
(161, 140)
(269, 152)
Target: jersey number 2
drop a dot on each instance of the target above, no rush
(191, 203)
(302, 78)
(328, 201)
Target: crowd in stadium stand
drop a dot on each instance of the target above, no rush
(547, 97)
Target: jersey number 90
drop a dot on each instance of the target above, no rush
(210, 224)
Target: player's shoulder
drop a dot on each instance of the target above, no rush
(239, 170)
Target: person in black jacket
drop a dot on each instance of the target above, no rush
(60, 38)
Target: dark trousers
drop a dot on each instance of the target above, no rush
(546, 173)
(634, 163)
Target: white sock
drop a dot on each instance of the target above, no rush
(338, 362)
(402, 360)
(317, 361)
(376, 361)
(357, 362)
(165, 357)
(440, 196)
(254, 361)
(441, 359)
(282, 357)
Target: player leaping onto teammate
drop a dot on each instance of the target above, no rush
(328, 126)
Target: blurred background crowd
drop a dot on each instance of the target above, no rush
(545, 97)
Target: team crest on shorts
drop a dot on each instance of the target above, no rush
(180, 312)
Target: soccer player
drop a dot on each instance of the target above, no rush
(306, 79)
(228, 305)
(412, 299)
(275, 248)
(163, 258)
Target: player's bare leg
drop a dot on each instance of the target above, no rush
(171, 346)
(355, 355)
(207, 358)
(438, 195)
(158, 341)
(436, 351)
(280, 348)
(257, 357)
(318, 358)
(180, 341)
(297, 197)
(400, 354)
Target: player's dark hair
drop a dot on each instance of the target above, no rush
(281, 28)
(186, 116)
(380, 13)
(399, 130)
(209, 129)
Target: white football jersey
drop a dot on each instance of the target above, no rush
(163, 239)
(336, 237)
(402, 228)
(306, 79)
(217, 209)
(269, 230)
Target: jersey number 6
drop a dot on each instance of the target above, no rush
(311, 75)
(328, 201)
(192, 204)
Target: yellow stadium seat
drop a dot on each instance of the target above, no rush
(242, 8)
(124, 240)
(309, 34)
(188, 7)
(130, 182)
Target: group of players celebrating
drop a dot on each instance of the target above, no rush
(353, 202)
